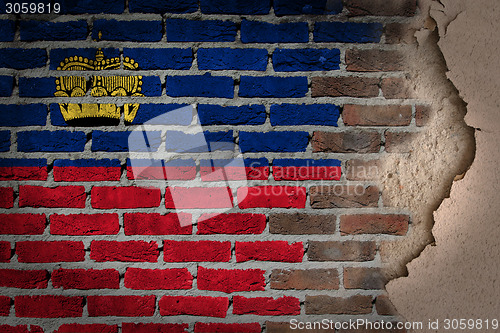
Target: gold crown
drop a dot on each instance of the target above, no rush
(71, 86)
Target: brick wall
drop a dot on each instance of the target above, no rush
(314, 94)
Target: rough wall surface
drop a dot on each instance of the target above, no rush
(463, 263)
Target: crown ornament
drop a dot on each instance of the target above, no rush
(77, 86)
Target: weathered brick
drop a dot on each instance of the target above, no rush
(57, 197)
(232, 224)
(282, 141)
(273, 86)
(374, 224)
(266, 306)
(396, 88)
(84, 224)
(163, 114)
(269, 251)
(236, 59)
(197, 251)
(47, 141)
(5, 251)
(149, 59)
(6, 197)
(341, 251)
(6, 85)
(108, 197)
(302, 114)
(48, 306)
(399, 33)
(126, 141)
(298, 7)
(241, 7)
(151, 279)
(45, 30)
(347, 32)
(377, 115)
(363, 278)
(350, 86)
(121, 306)
(14, 115)
(87, 170)
(227, 327)
(200, 86)
(346, 142)
(162, 7)
(56, 251)
(129, 251)
(384, 306)
(157, 224)
(181, 142)
(317, 279)
(363, 169)
(194, 305)
(271, 197)
(21, 329)
(263, 32)
(131, 31)
(5, 303)
(422, 115)
(292, 60)
(234, 169)
(254, 114)
(22, 224)
(85, 328)
(8, 28)
(306, 169)
(179, 30)
(230, 280)
(344, 196)
(381, 7)
(374, 60)
(24, 279)
(151, 327)
(37, 86)
(22, 58)
(301, 224)
(354, 305)
(86, 279)
(93, 7)
(400, 142)
(198, 197)
(4, 141)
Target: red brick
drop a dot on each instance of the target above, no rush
(20, 329)
(121, 306)
(198, 197)
(86, 328)
(4, 306)
(48, 306)
(363, 170)
(341, 251)
(346, 142)
(22, 224)
(194, 306)
(154, 328)
(86, 279)
(272, 197)
(381, 7)
(422, 115)
(396, 88)
(23, 279)
(157, 224)
(124, 197)
(151, 279)
(232, 224)
(363, 278)
(384, 306)
(269, 251)
(266, 306)
(231, 280)
(57, 197)
(374, 224)
(354, 305)
(84, 224)
(317, 279)
(40, 251)
(344, 196)
(301, 224)
(377, 115)
(6, 197)
(227, 328)
(197, 251)
(375, 60)
(86, 174)
(400, 142)
(345, 86)
(131, 251)
(23, 173)
(5, 251)
(399, 33)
